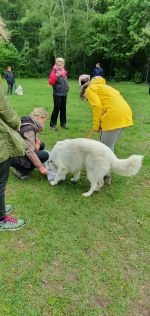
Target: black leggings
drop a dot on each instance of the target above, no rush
(59, 107)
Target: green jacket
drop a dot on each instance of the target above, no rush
(11, 143)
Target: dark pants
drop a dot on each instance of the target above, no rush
(24, 165)
(4, 173)
(59, 106)
(10, 88)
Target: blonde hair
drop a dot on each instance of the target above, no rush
(3, 33)
(59, 59)
(40, 112)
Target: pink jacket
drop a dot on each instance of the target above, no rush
(60, 83)
(53, 78)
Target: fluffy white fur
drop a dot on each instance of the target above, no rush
(73, 155)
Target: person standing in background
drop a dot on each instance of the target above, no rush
(98, 71)
(58, 80)
(9, 76)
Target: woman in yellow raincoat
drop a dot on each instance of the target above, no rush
(111, 113)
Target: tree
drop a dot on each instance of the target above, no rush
(8, 56)
(122, 33)
(114, 32)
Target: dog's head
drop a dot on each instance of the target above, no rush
(49, 164)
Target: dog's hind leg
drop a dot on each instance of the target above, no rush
(61, 172)
(92, 189)
(100, 184)
(76, 176)
(95, 186)
(95, 176)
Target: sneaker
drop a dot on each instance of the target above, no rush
(8, 208)
(11, 223)
(54, 128)
(20, 176)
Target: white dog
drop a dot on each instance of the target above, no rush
(19, 90)
(72, 155)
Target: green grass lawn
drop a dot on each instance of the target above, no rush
(79, 256)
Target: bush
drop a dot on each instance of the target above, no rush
(138, 77)
(121, 74)
(8, 56)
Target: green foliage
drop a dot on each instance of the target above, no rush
(8, 56)
(138, 78)
(122, 32)
(121, 74)
(25, 60)
(115, 32)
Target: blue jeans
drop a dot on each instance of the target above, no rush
(4, 173)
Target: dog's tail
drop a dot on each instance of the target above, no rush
(127, 167)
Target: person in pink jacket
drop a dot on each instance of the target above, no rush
(58, 80)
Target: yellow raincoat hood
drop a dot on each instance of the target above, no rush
(98, 80)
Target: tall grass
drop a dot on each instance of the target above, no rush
(79, 256)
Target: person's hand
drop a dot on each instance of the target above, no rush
(92, 131)
(58, 73)
(43, 170)
(90, 134)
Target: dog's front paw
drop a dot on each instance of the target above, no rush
(53, 183)
(86, 194)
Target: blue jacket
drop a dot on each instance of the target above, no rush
(9, 77)
(97, 72)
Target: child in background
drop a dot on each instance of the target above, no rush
(9, 76)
